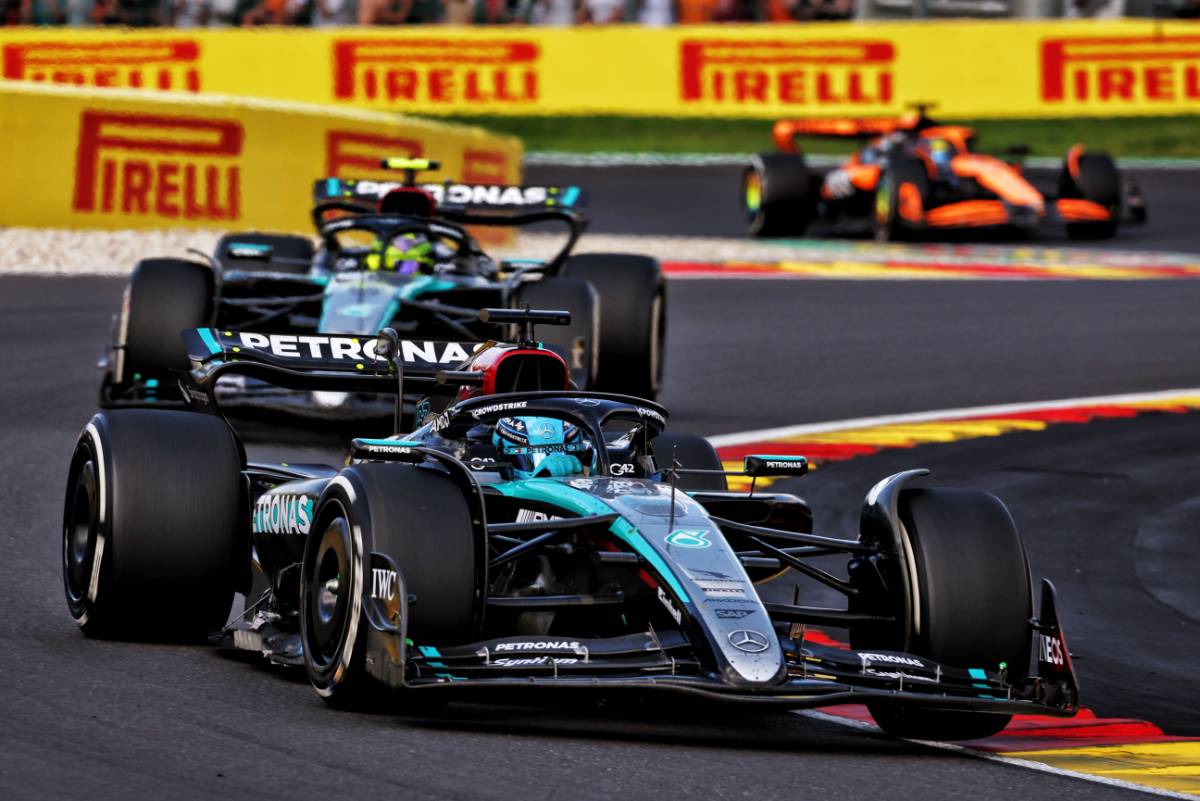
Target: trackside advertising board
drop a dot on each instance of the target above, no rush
(969, 68)
(129, 158)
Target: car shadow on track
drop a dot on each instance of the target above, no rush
(682, 722)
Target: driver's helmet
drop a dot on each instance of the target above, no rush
(942, 152)
(404, 254)
(541, 446)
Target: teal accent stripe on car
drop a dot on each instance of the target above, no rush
(981, 676)
(403, 443)
(421, 285)
(570, 196)
(566, 497)
(210, 341)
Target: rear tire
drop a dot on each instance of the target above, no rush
(633, 320)
(693, 452)
(1099, 181)
(974, 600)
(289, 254)
(778, 195)
(579, 342)
(163, 298)
(420, 520)
(153, 530)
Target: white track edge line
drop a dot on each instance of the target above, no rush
(1028, 764)
(743, 437)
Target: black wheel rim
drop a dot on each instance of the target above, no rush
(328, 595)
(80, 530)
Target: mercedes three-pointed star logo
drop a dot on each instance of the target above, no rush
(752, 642)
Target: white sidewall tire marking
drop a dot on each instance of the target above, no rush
(356, 559)
(93, 590)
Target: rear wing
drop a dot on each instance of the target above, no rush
(326, 353)
(319, 362)
(456, 196)
(785, 131)
(385, 363)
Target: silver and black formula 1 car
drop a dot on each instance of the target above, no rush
(543, 539)
(393, 255)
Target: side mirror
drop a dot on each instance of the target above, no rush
(759, 465)
(387, 345)
(250, 250)
(386, 450)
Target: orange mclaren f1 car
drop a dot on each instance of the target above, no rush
(915, 177)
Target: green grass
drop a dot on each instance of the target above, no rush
(1131, 136)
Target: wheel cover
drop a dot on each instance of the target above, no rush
(752, 194)
(328, 595)
(80, 529)
(884, 209)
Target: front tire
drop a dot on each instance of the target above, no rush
(153, 544)
(633, 320)
(1094, 177)
(904, 186)
(163, 298)
(420, 520)
(973, 600)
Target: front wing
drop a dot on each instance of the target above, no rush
(817, 673)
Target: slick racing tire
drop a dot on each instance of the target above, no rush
(972, 604)
(163, 298)
(579, 342)
(420, 520)
(693, 452)
(1094, 177)
(153, 539)
(892, 193)
(289, 254)
(633, 320)
(778, 195)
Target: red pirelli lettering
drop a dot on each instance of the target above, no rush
(482, 166)
(167, 166)
(143, 63)
(1121, 69)
(438, 71)
(350, 153)
(739, 72)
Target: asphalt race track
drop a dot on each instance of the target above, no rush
(705, 201)
(107, 720)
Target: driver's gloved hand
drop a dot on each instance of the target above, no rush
(557, 465)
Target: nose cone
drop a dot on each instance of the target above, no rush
(719, 593)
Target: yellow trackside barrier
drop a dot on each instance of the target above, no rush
(969, 68)
(119, 158)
